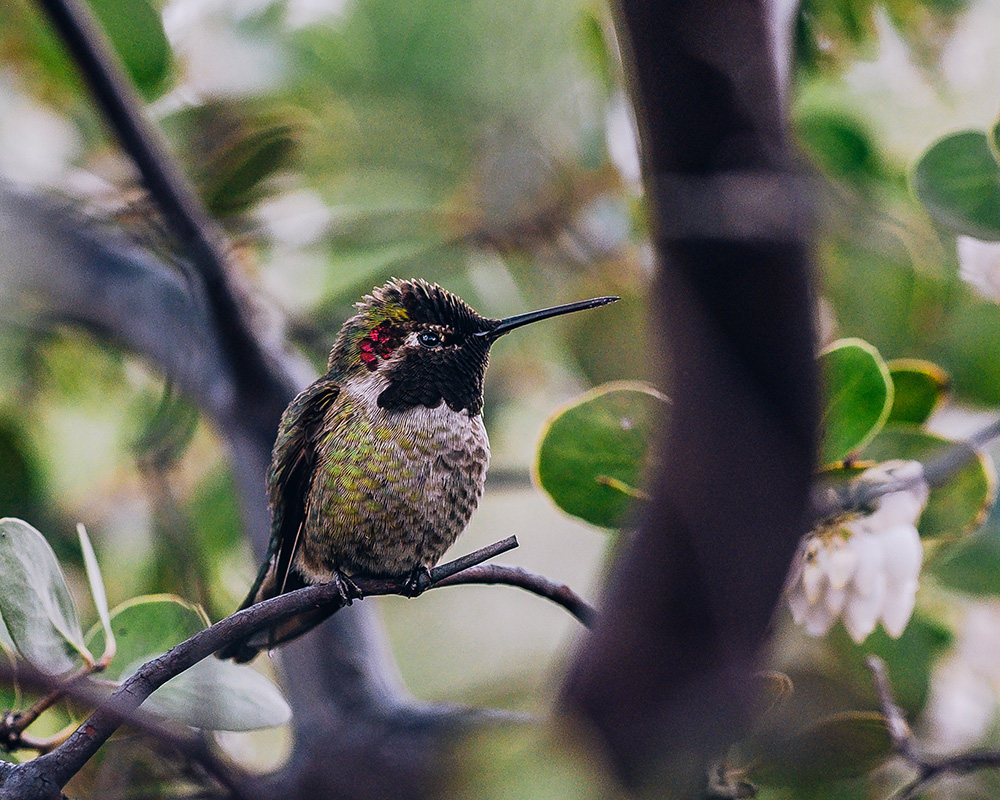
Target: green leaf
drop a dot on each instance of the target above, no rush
(97, 591)
(973, 565)
(857, 397)
(841, 746)
(212, 694)
(35, 602)
(840, 144)
(146, 627)
(593, 453)
(220, 695)
(918, 388)
(958, 180)
(955, 508)
(135, 30)
(967, 345)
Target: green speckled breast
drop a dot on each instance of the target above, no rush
(392, 490)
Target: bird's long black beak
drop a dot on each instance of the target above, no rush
(508, 324)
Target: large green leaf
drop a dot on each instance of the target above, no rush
(593, 453)
(146, 627)
(35, 602)
(958, 180)
(955, 508)
(857, 397)
(212, 694)
(841, 746)
(973, 565)
(918, 388)
(220, 695)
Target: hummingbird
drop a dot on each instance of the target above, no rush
(379, 465)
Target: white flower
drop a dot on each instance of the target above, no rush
(863, 569)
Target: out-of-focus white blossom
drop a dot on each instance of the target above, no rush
(962, 706)
(863, 568)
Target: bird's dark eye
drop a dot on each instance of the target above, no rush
(429, 338)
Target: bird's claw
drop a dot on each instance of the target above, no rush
(346, 588)
(417, 582)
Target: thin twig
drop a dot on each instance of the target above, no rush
(832, 499)
(12, 728)
(903, 742)
(462, 563)
(521, 578)
(895, 722)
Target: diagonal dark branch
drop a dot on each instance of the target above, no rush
(198, 237)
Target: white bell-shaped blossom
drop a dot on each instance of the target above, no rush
(863, 568)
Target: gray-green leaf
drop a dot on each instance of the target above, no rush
(221, 695)
(35, 602)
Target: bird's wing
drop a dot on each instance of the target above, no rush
(289, 481)
(288, 484)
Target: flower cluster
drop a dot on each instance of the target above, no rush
(863, 568)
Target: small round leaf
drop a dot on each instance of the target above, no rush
(857, 397)
(958, 180)
(918, 388)
(146, 627)
(212, 694)
(593, 453)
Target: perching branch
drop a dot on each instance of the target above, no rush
(905, 746)
(538, 584)
(58, 766)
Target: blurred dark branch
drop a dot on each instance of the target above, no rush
(663, 678)
(905, 746)
(198, 237)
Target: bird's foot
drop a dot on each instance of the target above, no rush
(417, 582)
(346, 588)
